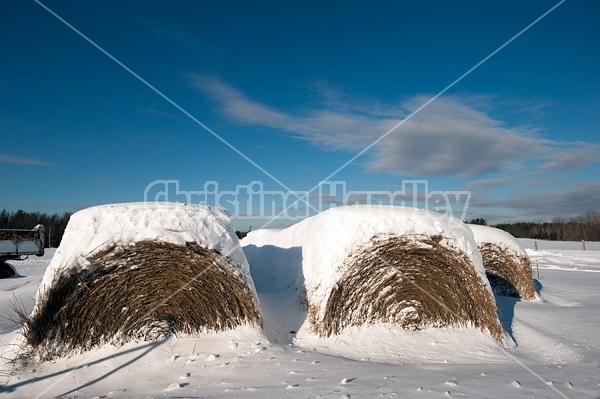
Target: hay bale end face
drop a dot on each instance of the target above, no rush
(145, 290)
(509, 273)
(414, 281)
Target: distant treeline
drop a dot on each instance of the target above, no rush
(583, 227)
(55, 224)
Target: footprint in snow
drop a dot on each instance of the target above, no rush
(177, 385)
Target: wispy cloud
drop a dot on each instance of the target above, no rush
(565, 202)
(454, 135)
(490, 182)
(11, 159)
(570, 156)
(335, 126)
(535, 108)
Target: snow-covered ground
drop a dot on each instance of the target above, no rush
(557, 353)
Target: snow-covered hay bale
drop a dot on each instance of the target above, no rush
(141, 272)
(507, 265)
(366, 265)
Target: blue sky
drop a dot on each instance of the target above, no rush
(300, 89)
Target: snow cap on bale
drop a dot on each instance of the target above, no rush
(141, 271)
(98, 227)
(507, 265)
(342, 268)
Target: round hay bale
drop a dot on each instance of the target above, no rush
(509, 274)
(506, 264)
(413, 281)
(145, 290)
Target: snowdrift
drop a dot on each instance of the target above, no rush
(369, 265)
(507, 265)
(141, 271)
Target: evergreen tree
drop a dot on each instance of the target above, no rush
(479, 221)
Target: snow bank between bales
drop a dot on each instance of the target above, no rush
(94, 229)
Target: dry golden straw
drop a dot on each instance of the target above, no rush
(412, 281)
(140, 291)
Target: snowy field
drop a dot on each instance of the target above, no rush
(557, 351)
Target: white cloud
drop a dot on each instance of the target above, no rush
(450, 137)
(11, 159)
(453, 135)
